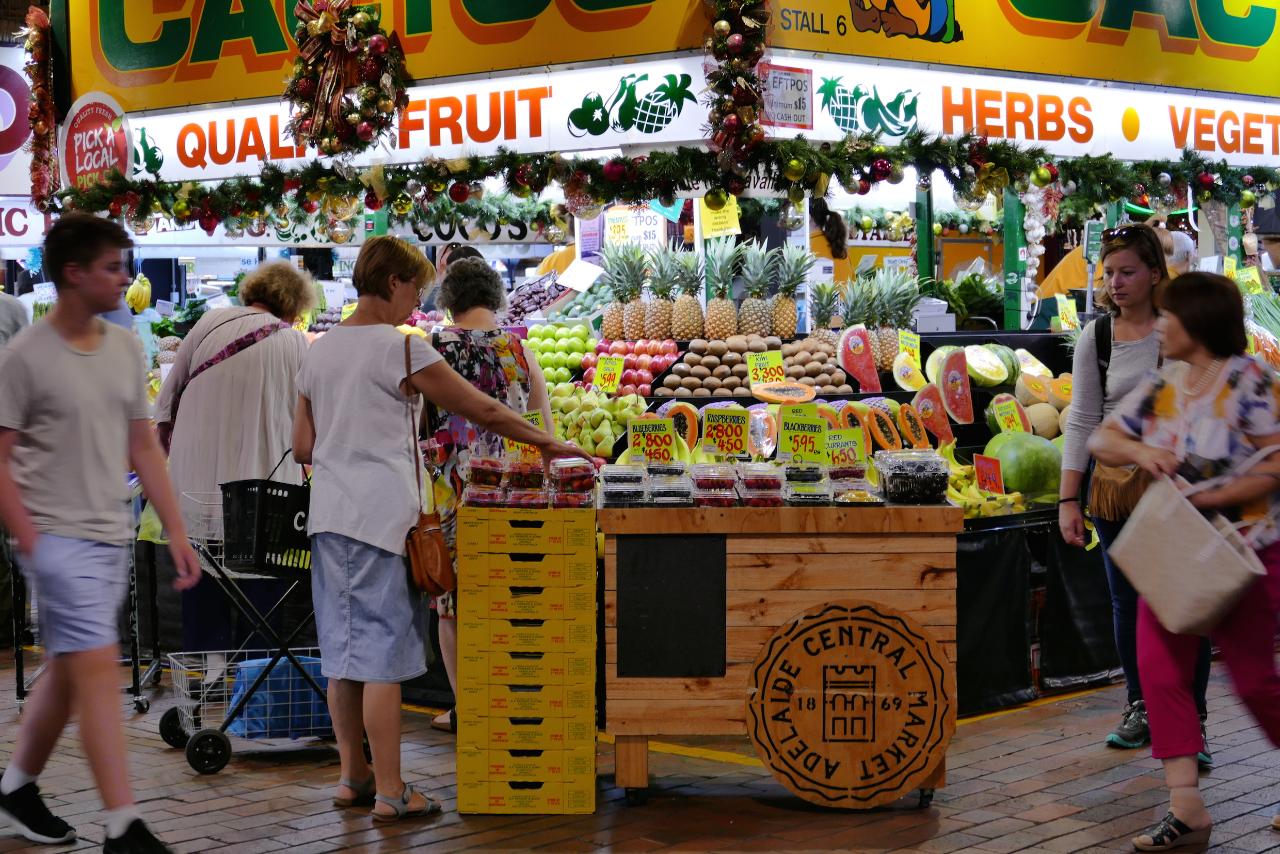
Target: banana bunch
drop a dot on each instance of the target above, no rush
(963, 491)
(138, 297)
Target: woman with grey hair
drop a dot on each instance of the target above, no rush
(497, 363)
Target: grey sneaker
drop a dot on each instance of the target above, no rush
(1204, 757)
(1133, 731)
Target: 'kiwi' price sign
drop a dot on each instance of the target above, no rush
(766, 367)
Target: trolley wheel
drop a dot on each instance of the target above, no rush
(926, 799)
(171, 729)
(209, 751)
(142, 705)
(637, 797)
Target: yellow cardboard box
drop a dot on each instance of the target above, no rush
(525, 531)
(529, 603)
(494, 733)
(527, 668)
(474, 765)
(528, 797)
(491, 635)
(572, 569)
(478, 700)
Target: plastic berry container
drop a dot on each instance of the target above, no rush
(675, 468)
(623, 495)
(571, 475)
(715, 498)
(485, 471)
(527, 499)
(760, 476)
(671, 502)
(484, 496)
(572, 500)
(848, 471)
(857, 493)
(522, 475)
(623, 474)
(808, 494)
(713, 476)
(761, 497)
(677, 488)
(804, 472)
(913, 477)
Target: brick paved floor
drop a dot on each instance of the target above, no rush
(1037, 779)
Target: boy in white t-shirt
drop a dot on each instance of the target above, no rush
(74, 417)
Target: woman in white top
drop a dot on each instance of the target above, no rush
(226, 413)
(357, 426)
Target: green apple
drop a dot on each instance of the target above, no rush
(535, 332)
(563, 345)
(580, 331)
(579, 345)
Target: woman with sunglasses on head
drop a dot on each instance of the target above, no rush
(1210, 409)
(1113, 355)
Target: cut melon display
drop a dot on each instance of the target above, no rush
(686, 418)
(1031, 365)
(906, 374)
(784, 392)
(928, 402)
(912, 427)
(858, 360)
(993, 423)
(933, 365)
(1009, 359)
(956, 394)
(985, 367)
(1044, 420)
(854, 413)
(1060, 391)
(881, 428)
(1031, 389)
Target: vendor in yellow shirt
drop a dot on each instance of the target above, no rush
(829, 238)
(558, 261)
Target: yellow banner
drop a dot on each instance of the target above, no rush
(1221, 45)
(151, 55)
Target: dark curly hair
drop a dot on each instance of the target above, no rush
(471, 283)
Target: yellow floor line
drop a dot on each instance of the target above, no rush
(1043, 701)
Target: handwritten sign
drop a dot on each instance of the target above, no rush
(1008, 417)
(46, 292)
(608, 374)
(803, 440)
(527, 453)
(1250, 280)
(725, 431)
(909, 342)
(335, 295)
(988, 474)
(766, 367)
(1093, 240)
(847, 446)
(722, 222)
(652, 439)
(1229, 265)
(1067, 312)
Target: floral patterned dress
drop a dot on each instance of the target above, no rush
(497, 365)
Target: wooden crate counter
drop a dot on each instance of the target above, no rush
(701, 605)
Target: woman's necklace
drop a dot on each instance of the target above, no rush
(1206, 380)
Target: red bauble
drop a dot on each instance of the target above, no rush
(460, 191)
(735, 43)
(615, 170)
(864, 187)
(305, 88)
(744, 96)
(371, 201)
(1248, 180)
(1053, 170)
(309, 205)
(115, 208)
(365, 131)
(290, 184)
(378, 44)
(1206, 181)
(522, 174)
(370, 70)
(731, 123)
(235, 210)
(209, 222)
(881, 168)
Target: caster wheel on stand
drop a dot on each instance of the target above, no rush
(171, 729)
(637, 797)
(926, 799)
(142, 705)
(209, 751)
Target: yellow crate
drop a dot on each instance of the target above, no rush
(572, 569)
(530, 603)
(527, 733)
(477, 700)
(524, 797)
(518, 668)
(481, 635)
(476, 765)
(525, 531)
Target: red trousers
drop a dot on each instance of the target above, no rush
(1246, 639)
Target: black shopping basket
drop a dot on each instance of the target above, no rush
(265, 525)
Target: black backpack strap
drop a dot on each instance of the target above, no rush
(1102, 338)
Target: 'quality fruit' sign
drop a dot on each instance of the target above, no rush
(94, 142)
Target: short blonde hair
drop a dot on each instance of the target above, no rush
(383, 257)
(286, 291)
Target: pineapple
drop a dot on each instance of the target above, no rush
(758, 264)
(792, 268)
(824, 304)
(657, 110)
(722, 258)
(624, 276)
(896, 294)
(664, 271)
(686, 316)
(634, 315)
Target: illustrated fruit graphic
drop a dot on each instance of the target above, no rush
(985, 368)
(993, 421)
(784, 392)
(1031, 365)
(657, 110)
(912, 428)
(758, 263)
(956, 394)
(686, 317)
(792, 271)
(880, 425)
(854, 352)
(859, 110)
(906, 374)
(722, 258)
(928, 402)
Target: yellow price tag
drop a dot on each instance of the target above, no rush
(766, 367)
(652, 439)
(1229, 265)
(722, 222)
(608, 374)
(1067, 312)
(798, 410)
(525, 452)
(846, 446)
(1253, 345)
(725, 431)
(803, 440)
(1250, 280)
(909, 342)
(1008, 417)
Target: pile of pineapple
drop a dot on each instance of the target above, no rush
(883, 303)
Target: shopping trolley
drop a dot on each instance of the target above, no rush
(251, 530)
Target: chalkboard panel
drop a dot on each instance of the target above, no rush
(671, 607)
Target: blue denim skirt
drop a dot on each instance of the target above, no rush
(370, 621)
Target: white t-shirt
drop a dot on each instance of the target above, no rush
(363, 484)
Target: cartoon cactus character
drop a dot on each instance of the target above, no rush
(660, 107)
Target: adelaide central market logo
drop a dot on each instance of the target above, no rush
(94, 142)
(859, 110)
(14, 126)
(627, 111)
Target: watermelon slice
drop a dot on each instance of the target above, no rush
(994, 425)
(928, 402)
(956, 395)
(854, 352)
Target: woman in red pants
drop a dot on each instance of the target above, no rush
(1210, 408)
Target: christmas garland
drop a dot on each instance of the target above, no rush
(736, 43)
(40, 110)
(341, 47)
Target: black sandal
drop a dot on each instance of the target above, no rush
(1170, 833)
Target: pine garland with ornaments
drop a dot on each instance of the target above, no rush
(41, 119)
(735, 46)
(340, 47)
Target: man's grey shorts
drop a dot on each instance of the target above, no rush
(79, 587)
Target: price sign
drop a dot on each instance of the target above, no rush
(527, 453)
(652, 439)
(725, 431)
(803, 440)
(1008, 417)
(987, 470)
(1229, 267)
(335, 295)
(766, 367)
(847, 446)
(798, 410)
(1252, 349)
(1093, 240)
(722, 222)
(608, 374)
(909, 342)
(46, 292)
(1250, 280)
(1067, 312)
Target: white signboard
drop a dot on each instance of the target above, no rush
(15, 163)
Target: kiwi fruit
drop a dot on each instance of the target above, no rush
(711, 383)
(757, 346)
(663, 392)
(722, 392)
(824, 379)
(742, 391)
(722, 371)
(820, 357)
(804, 357)
(737, 343)
(789, 350)
(812, 369)
(698, 346)
(717, 348)
(731, 382)
(732, 359)
(691, 383)
(699, 372)
(773, 342)
(845, 389)
(702, 392)
(829, 389)
(794, 372)
(672, 381)
(691, 358)
(680, 369)
(741, 371)
(810, 381)
(838, 377)
(683, 392)
(710, 361)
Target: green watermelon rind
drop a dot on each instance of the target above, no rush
(1028, 463)
(981, 363)
(933, 364)
(990, 414)
(1010, 360)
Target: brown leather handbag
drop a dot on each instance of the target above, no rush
(426, 553)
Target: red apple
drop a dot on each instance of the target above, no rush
(630, 377)
(627, 389)
(645, 390)
(655, 348)
(629, 362)
(639, 346)
(589, 375)
(618, 348)
(643, 362)
(602, 348)
(643, 377)
(589, 360)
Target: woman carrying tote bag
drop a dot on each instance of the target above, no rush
(1200, 418)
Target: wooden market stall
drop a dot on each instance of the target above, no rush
(711, 615)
